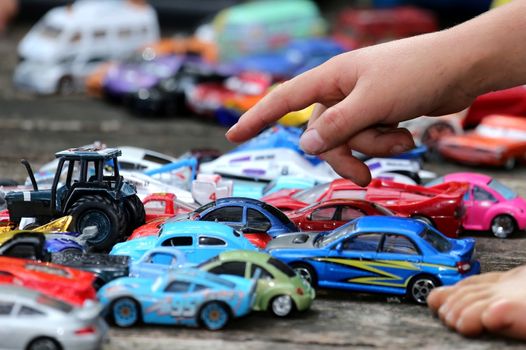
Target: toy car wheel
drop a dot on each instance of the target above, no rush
(65, 86)
(125, 312)
(420, 287)
(44, 344)
(103, 213)
(510, 164)
(502, 226)
(214, 316)
(306, 272)
(135, 212)
(282, 305)
(435, 132)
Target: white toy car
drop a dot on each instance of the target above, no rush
(71, 41)
(33, 321)
(428, 130)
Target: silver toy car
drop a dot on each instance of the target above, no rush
(31, 320)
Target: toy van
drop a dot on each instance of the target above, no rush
(69, 42)
(262, 26)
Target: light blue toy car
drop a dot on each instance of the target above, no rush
(188, 297)
(198, 240)
(157, 262)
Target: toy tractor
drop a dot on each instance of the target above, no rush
(82, 189)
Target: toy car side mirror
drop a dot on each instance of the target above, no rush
(339, 246)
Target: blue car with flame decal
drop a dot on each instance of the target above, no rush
(188, 297)
(379, 254)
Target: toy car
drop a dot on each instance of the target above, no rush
(31, 245)
(379, 254)
(196, 239)
(32, 320)
(244, 214)
(157, 262)
(489, 204)
(279, 289)
(190, 298)
(440, 206)
(165, 205)
(333, 213)
(70, 285)
(498, 141)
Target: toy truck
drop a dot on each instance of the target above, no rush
(91, 196)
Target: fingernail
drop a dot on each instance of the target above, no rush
(311, 142)
(232, 128)
(449, 319)
(397, 149)
(442, 310)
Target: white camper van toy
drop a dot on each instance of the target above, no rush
(69, 42)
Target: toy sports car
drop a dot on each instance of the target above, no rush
(498, 141)
(333, 213)
(165, 205)
(439, 205)
(198, 240)
(279, 289)
(191, 298)
(489, 204)
(379, 254)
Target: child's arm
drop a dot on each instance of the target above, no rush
(363, 94)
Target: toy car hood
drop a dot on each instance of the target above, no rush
(300, 240)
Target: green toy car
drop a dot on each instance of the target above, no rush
(279, 289)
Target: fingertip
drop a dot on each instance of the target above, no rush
(311, 142)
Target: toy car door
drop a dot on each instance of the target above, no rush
(476, 202)
(175, 304)
(346, 213)
(351, 258)
(321, 219)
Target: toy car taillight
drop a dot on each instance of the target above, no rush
(299, 291)
(86, 330)
(463, 266)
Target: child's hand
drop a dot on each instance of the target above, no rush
(363, 94)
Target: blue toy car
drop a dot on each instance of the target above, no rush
(379, 254)
(157, 262)
(188, 297)
(199, 241)
(244, 214)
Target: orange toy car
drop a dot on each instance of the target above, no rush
(499, 140)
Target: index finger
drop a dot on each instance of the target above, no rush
(292, 95)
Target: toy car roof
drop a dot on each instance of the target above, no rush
(89, 153)
(390, 224)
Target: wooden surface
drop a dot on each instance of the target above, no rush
(34, 128)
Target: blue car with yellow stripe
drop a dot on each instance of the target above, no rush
(379, 254)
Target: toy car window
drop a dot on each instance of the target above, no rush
(284, 219)
(367, 242)
(178, 287)
(323, 214)
(439, 242)
(503, 190)
(76, 38)
(162, 259)
(6, 307)
(349, 213)
(50, 31)
(480, 194)
(236, 268)
(281, 266)
(29, 311)
(383, 210)
(397, 244)
(205, 240)
(99, 34)
(349, 194)
(256, 220)
(178, 242)
(124, 33)
(225, 214)
(155, 207)
(26, 251)
(200, 287)
(54, 303)
(311, 195)
(156, 159)
(261, 271)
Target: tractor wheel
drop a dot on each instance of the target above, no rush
(106, 215)
(135, 212)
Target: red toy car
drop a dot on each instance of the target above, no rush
(362, 27)
(164, 205)
(152, 228)
(64, 283)
(497, 141)
(438, 205)
(328, 215)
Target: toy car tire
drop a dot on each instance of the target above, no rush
(503, 226)
(125, 312)
(214, 316)
(99, 211)
(282, 306)
(306, 272)
(510, 163)
(135, 211)
(420, 287)
(44, 343)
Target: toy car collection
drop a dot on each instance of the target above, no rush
(379, 254)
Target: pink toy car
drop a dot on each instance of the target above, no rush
(489, 204)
